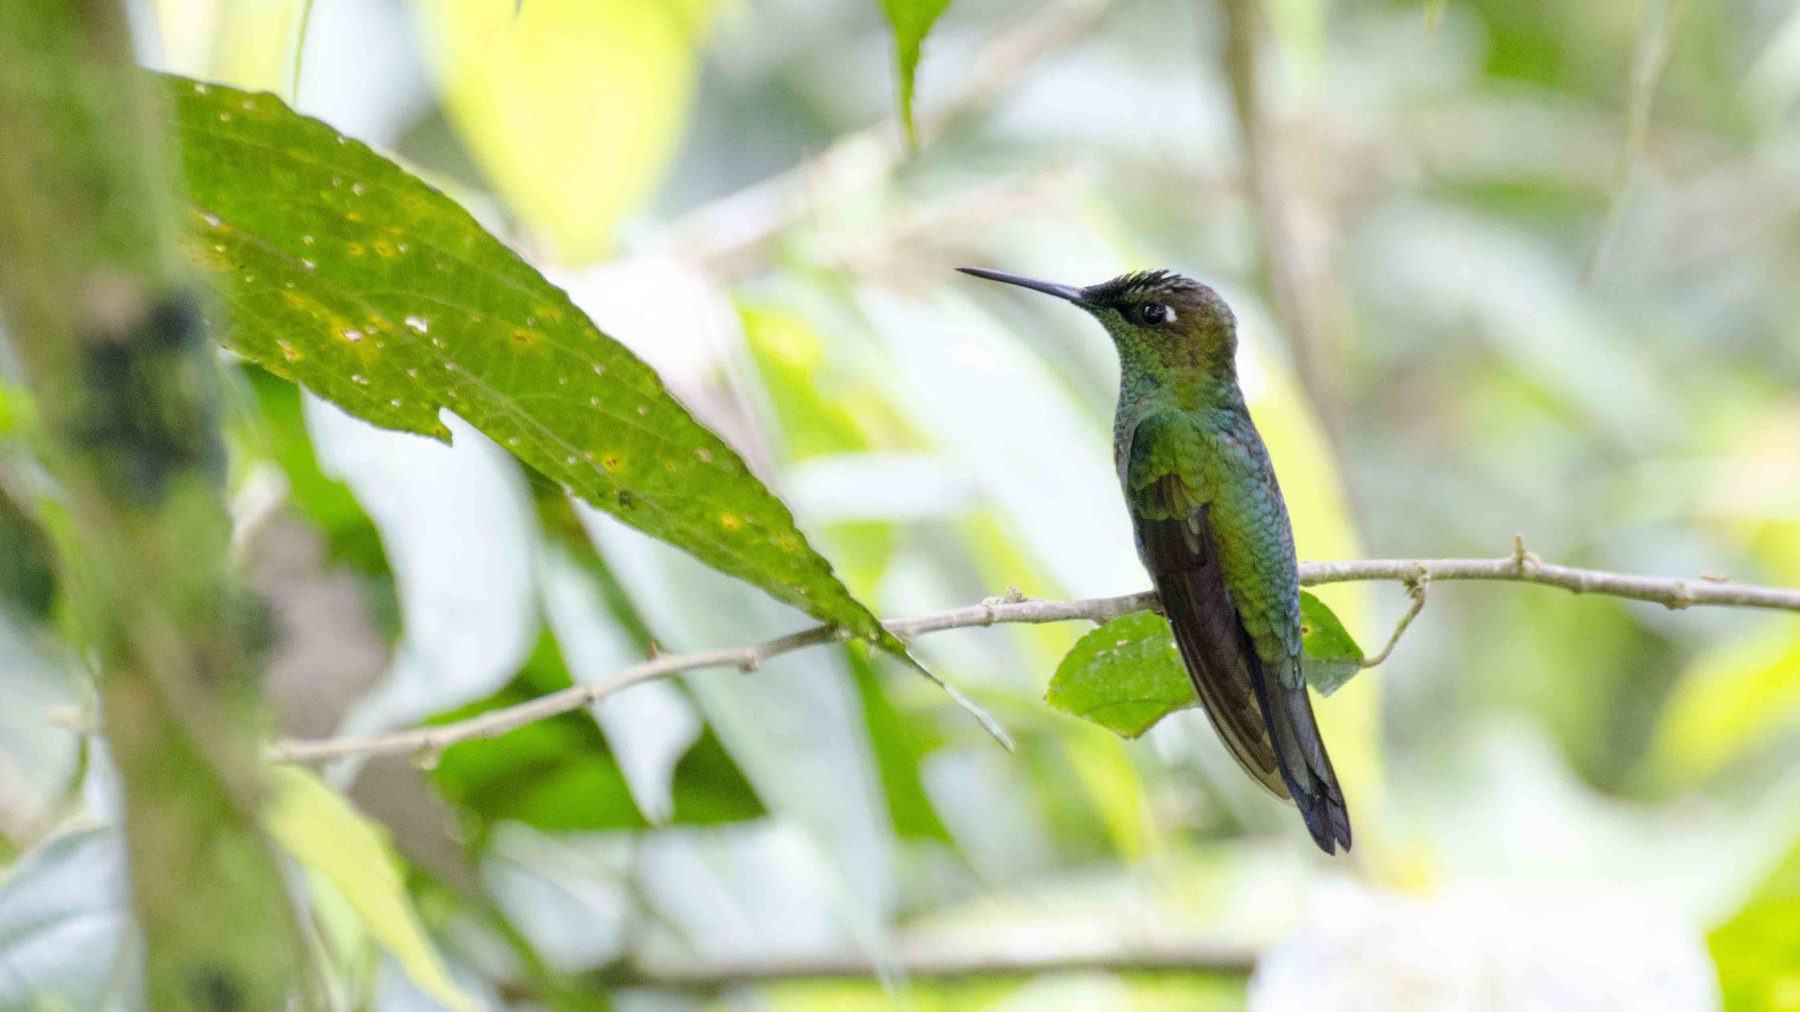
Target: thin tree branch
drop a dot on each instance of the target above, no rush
(1519, 567)
(1416, 589)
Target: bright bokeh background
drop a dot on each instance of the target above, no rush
(1544, 320)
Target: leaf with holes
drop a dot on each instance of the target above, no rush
(1124, 676)
(339, 270)
(1127, 674)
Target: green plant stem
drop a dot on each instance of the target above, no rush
(110, 343)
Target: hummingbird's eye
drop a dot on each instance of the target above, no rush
(1154, 314)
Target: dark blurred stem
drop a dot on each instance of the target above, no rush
(1298, 245)
(1519, 567)
(1655, 38)
(109, 342)
(305, 23)
(732, 236)
(996, 955)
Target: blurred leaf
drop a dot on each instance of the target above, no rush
(330, 839)
(1124, 676)
(1332, 656)
(1127, 674)
(794, 726)
(559, 774)
(1732, 701)
(650, 726)
(1758, 951)
(901, 742)
(18, 414)
(63, 923)
(467, 605)
(327, 502)
(572, 107)
(912, 20)
(27, 566)
(342, 271)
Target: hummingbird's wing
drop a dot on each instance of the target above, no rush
(1263, 715)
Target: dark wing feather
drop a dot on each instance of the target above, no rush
(1266, 722)
(1210, 637)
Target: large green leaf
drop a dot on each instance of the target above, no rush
(343, 272)
(912, 20)
(1127, 675)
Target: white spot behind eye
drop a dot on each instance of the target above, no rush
(1168, 314)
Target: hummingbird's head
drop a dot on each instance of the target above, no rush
(1156, 318)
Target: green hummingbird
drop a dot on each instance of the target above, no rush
(1212, 528)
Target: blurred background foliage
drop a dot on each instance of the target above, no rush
(1500, 267)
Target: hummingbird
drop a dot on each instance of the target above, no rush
(1212, 528)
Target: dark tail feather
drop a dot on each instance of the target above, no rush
(1304, 765)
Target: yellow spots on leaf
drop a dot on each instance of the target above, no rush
(551, 313)
(384, 249)
(355, 249)
(525, 337)
(787, 542)
(704, 454)
(353, 216)
(730, 521)
(611, 462)
(288, 351)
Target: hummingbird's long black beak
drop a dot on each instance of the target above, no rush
(1066, 292)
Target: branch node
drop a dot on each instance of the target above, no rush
(1523, 560)
(430, 752)
(750, 663)
(1682, 597)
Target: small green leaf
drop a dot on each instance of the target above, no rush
(330, 839)
(1127, 674)
(912, 20)
(341, 271)
(1332, 656)
(1124, 676)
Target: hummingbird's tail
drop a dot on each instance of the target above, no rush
(1305, 767)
